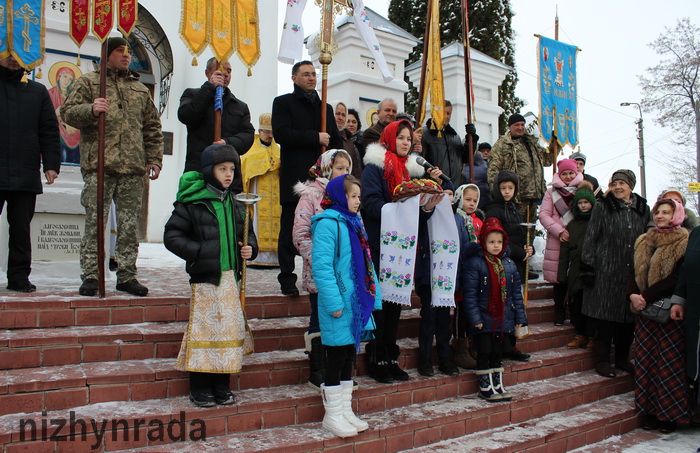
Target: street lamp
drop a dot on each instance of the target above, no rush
(640, 137)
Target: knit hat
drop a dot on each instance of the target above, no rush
(566, 164)
(447, 185)
(626, 176)
(265, 122)
(584, 192)
(113, 43)
(215, 154)
(503, 176)
(484, 145)
(492, 224)
(678, 213)
(515, 118)
(578, 156)
(667, 192)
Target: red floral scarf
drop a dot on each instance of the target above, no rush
(395, 171)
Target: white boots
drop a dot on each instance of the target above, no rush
(491, 385)
(339, 418)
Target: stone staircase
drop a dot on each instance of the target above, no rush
(97, 375)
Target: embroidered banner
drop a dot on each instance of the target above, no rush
(194, 25)
(248, 32)
(558, 98)
(366, 32)
(78, 21)
(4, 48)
(222, 29)
(127, 15)
(24, 35)
(433, 74)
(292, 42)
(102, 19)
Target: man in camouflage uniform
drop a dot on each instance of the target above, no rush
(133, 147)
(521, 153)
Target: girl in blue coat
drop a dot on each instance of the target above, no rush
(493, 302)
(347, 293)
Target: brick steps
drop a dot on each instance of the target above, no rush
(422, 423)
(564, 431)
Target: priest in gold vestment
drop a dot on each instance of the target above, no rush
(260, 168)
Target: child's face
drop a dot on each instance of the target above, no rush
(223, 172)
(341, 166)
(403, 142)
(584, 205)
(353, 196)
(494, 242)
(469, 200)
(507, 190)
(450, 194)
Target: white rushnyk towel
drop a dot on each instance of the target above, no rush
(398, 246)
(292, 42)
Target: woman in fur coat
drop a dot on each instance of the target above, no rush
(606, 261)
(661, 390)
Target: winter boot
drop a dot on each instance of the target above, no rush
(579, 341)
(334, 420)
(378, 369)
(601, 357)
(349, 415)
(486, 390)
(425, 367)
(448, 367)
(463, 357)
(317, 359)
(497, 379)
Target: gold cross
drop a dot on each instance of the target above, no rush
(29, 17)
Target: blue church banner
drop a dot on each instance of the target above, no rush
(22, 31)
(557, 81)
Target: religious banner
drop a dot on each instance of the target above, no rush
(292, 41)
(22, 32)
(79, 17)
(248, 35)
(366, 32)
(127, 15)
(433, 74)
(222, 29)
(558, 98)
(193, 26)
(102, 19)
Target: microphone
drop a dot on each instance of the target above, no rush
(428, 166)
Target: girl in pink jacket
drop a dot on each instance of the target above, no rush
(555, 214)
(332, 163)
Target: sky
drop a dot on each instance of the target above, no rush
(613, 37)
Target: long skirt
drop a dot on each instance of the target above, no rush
(660, 381)
(217, 335)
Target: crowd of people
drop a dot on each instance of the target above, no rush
(372, 224)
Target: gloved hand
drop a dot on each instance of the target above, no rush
(471, 133)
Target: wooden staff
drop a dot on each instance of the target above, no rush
(468, 83)
(101, 177)
(325, 58)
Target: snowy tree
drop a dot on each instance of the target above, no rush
(491, 32)
(672, 89)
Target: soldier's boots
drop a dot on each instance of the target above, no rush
(133, 287)
(89, 287)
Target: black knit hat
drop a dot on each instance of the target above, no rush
(215, 154)
(515, 118)
(113, 43)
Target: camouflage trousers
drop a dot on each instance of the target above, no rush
(126, 191)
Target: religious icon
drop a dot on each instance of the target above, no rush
(62, 77)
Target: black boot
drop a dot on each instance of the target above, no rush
(377, 365)
(601, 357)
(221, 384)
(317, 361)
(448, 367)
(201, 390)
(425, 367)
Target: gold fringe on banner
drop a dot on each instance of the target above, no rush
(248, 32)
(194, 23)
(434, 71)
(222, 30)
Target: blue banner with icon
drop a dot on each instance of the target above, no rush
(22, 31)
(558, 98)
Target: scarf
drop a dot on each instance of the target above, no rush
(678, 215)
(497, 274)
(563, 195)
(398, 246)
(470, 220)
(395, 171)
(365, 285)
(323, 168)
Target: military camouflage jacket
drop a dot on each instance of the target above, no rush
(509, 154)
(133, 135)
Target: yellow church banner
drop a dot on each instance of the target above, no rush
(248, 32)
(193, 26)
(222, 29)
(434, 70)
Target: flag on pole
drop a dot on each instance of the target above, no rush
(79, 13)
(433, 74)
(193, 27)
(558, 97)
(222, 29)
(102, 19)
(248, 32)
(128, 13)
(366, 32)
(292, 42)
(22, 32)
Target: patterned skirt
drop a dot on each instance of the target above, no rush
(217, 335)
(660, 381)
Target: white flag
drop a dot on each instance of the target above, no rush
(367, 34)
(292, 42)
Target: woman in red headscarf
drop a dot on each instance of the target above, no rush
(388, 163)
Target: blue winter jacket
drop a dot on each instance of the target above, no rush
(331, 264)
(475, 290)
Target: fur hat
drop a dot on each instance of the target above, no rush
(584, 192)
(215, 154)
(627, 176)
(566, 164)
(515, 118)
(113, 43)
